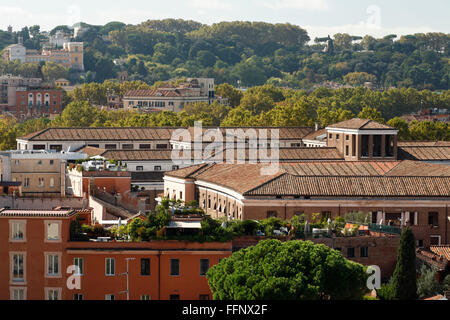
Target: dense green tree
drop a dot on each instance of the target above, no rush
(404, 280)
(294, 270)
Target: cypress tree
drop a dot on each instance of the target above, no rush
(404, 282)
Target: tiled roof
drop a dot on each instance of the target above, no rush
(424, 153)
(186, 172)
(362, 124)
(284, 133)
(417, 168)
(241, 178)
(153, 93)
(138, 155)
(332, 178)
(92, 151)
(103, 134)
(341, 168)
(315, 134)
(284, 154)
(424, 144)
(443, 251)
(355, 186)
(37, 213)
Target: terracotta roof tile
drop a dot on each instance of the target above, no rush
(424, 153)
(92, 151)
(284, 154)
(357, 123)
(443, 251)
(355, 186)
(105, 134)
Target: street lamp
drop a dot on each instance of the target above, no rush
(128, 283)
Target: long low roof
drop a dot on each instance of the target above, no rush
(321, 179)
(36, 213)
(101, 134)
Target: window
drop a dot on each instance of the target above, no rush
(161, 146)
(127, 147)
(39, 162)
(157, 168)
(364, 252)
(174, 267)
(145, 297)
(110, 266)
(18, 230)
(52, 162)
(347, 137)
(139, 168)
(94, 145)
(52, 265)
(18, 263)
(271, 214)
(145, 267)
(331, 136)
(110, 146)
(77, 296)
(337, 136)
(53, 231)
(181, 194)
(435, 240)
(175, 167)
(18, 294)
(347, 150)
(203, 297)
(433, 219)
(53, 294)
(110, 297)
(419, 243)
(350, 252)
(204, 266)
(41, 182)
(353, 145)
(56, 147)
(174, 297)
(16, 162)
(26, 182)
(78, 262)
(145, 146)
(52, 182)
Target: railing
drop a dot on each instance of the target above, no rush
(384, 228)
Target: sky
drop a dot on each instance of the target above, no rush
(319, 17)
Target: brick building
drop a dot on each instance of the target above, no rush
(36, 251)
(36, 103)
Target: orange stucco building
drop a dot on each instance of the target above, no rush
(36, 252)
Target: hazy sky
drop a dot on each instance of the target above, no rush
(319, 17)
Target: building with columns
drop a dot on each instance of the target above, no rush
(397, 187)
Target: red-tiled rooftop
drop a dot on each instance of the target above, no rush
(443, 251)
(101, 134)
(360, 179)
(361, 124)
(36, 213)
(153, 93)
(424, 152)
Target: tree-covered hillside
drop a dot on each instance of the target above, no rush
(253, 53)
